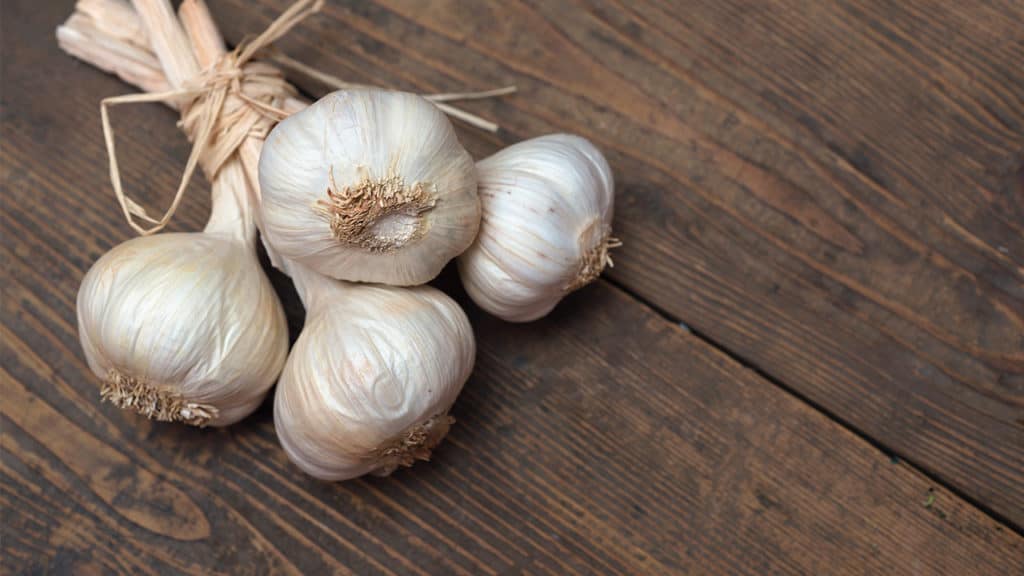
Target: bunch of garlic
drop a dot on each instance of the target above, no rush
(365, 186)
(369, 185)
(369, 382)
(546, 231)
(368, 385)
(186, 327)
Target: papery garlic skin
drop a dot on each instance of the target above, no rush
(182, 327)
(369, 185)
(546, 228)
(369, 382)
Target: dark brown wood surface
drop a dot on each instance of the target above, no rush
(827, 192)
(832, 191)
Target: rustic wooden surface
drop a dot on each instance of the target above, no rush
(830, 194)
(832, 191)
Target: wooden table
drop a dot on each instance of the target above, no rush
(809, 357)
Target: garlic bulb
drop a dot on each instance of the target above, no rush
(369, 185)
(369, 382)
(546, 229)
(185, 327)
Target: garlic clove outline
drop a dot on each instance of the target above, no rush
(369, 185)
(182, 327)
(547, 205)
(370, 381)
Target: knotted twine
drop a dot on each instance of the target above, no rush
(228, 102)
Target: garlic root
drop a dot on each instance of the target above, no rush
(379, 215)
(154, 402)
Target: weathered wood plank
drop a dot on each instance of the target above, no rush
(602, 439)
(833, 191)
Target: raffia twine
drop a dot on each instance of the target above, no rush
(236, 98)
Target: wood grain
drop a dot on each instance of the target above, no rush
(603, 439)
(831, 191)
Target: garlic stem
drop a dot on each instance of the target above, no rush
(208, 46)
(83, 36)
(168, 39)
(231, 213)
(207, 43)
(308, 283)
(118, 20)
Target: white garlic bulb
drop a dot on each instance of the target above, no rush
(369, 382)
(185, 327)
(546, 228)
(369, 185)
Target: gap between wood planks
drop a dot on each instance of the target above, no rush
(838, 420)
